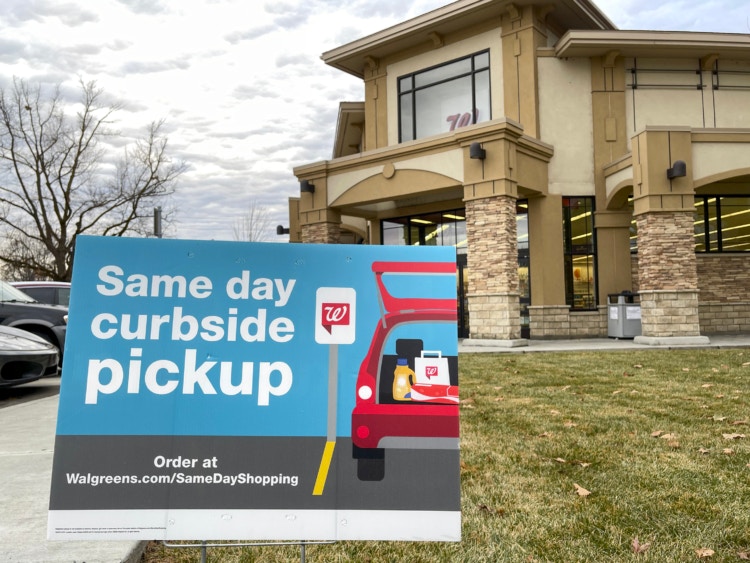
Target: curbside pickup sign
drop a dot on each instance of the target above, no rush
(227, 390)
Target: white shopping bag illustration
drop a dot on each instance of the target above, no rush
(431, 368)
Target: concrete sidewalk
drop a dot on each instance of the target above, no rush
(26, 444)
(28, 437)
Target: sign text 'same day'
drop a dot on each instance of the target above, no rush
(163, 376)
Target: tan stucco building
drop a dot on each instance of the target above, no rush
(566, 160)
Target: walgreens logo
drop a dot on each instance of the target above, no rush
(334, 314)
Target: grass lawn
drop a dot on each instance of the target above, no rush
(591, 456)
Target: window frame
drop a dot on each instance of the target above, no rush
(704, 220)
(412, 90)
(418, 230)
(570, 251)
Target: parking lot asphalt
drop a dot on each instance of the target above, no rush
(27, 444)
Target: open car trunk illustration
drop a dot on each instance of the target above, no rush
(407, 399)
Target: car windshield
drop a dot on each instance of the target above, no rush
(8, 293)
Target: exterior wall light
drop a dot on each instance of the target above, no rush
(678, 170)
(477, 152)
(281, 230)
(307, 186)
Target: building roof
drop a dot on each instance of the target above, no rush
(349, 128)
(667, 44)
(463, 14)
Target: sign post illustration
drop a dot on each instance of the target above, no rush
(335, 322)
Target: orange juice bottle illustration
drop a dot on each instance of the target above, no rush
(403, 378)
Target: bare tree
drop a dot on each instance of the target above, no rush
(254, 225)
(56, 182)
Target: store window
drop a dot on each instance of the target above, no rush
(443, 228)
(524, 270)
(580, 252)
(722, 224)
(633, 227)
(445, 97)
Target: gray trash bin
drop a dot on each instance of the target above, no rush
(623, 315)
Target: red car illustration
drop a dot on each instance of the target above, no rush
(424, 415)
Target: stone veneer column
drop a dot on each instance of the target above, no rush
(322, 233)
(494, 307)
(668, 275)
(663, 208)
(317, 222)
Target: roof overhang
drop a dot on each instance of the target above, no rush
(463, 14)
(666, 44)
(349, 129)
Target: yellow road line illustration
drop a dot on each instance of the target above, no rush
(325, 464)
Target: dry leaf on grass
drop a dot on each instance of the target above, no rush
(739, 422)
(487, 510)
(704, 552)
(553, 411)
(733, 436)
(569, 424)
(639, 547)
(745, 555)
(544, 435)
(560, 460)
(669, 436)
(657, 433)
(728, 451)
(718, 418)
(580, 491)
(707, 385)
(703, 451)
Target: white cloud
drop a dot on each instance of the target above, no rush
(240, 83)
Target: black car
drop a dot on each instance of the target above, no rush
(51, 292)
(24, 357)
(18, 310)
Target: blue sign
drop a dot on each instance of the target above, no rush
(196, 370)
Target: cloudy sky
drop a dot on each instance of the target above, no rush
(240, 83)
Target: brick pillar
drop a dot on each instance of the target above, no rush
(494, 309)
(321, 233)
(667, 266)
(318, 223)
(668, 275)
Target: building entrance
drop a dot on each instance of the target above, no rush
(448, 228)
